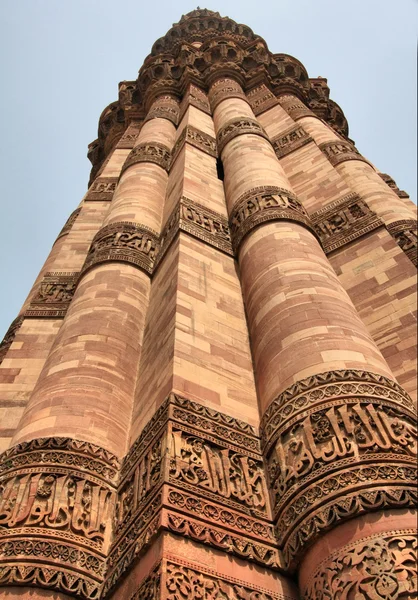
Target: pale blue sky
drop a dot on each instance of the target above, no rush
(61, 62)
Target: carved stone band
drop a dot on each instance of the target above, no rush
(10, 336)
(338, 152)
(53, 298)
(124, 242)
(223, 89)
(261, 99)
(261, 205)
(165, 107)
(241, 126)
(295, 108)
(291, 140)
(196, 138)
(69, 223)
(199, 474)
(102, 189)
(343, 221)
(337, 445)
(151, 153)
(56, 499)
(127, 140)
(381, 566)
(405, 234)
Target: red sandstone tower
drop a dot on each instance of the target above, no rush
(207, 393)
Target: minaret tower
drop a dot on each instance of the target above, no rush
(210, 390)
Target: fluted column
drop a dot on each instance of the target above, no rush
(80, 410)
(327, 396)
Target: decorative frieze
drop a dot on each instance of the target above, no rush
(69, 223)
(124, 242)
(198, 221)
(127, 140)
(337, 445)
(405, 234)
(295, 108)
(240, 126)
(165, 107)
(53, 298)
(290, 140)
(261, 99)
(343, 221)
(10, 336)
(263, 204)
(57, 496)
(225, 88)
(149, 153)
(340, 151)
(198, 139)
(392, 184)
(378, 567)
(198, 473)
(102, 189)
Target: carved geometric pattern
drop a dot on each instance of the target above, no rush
(166, 107)
(148, 153)
(128, 139)
(392, 184)
(378, 567)
(9, 337)
(405, 234)
(196, 138)
(338, 152)
(343, 221)
(56, 496)
(290, 140)
(337, 445)
(102, 189)
(197, 473)
(124, 242)
(69, 223)
(225, 88)
(53, 298)
(198, 221)
(261, 99)
(240, 126)
(263, 204)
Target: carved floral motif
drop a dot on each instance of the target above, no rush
(379, 567)
(53, 298)
(263, 204)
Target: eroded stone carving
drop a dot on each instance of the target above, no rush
(241, 126)
(102, 189)
(405, 234)
(262, 204)
(53, 298)
(9, 337)
(343, 221)
(128, 138)
(57, 496)
(379, 567)
(154, 153)
(124, 242)
(338, 152)
(261, 99)
(290, 140)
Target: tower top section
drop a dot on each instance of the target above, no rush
(202, 47)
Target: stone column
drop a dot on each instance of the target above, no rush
(75, 427)
(336, 428)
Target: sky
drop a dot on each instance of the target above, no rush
(61, 62)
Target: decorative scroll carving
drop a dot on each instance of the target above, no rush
(343, 221)
(10, 336)
(338, 152)
(56, 500)
(54, 295)
(225, 88)
(405, 234)
(69, 223)
(124, 242)
(379, 567)
(165, 107)
(392, 184)
(102, 189)
(325, 443)
(128, 139)
(290, 140)
(262, 204)
(192, 459)
(198, 139)
(295, 108)
(241, 126)
(150, 588)
(261, 99)
(154, 153)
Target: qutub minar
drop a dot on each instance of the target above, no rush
(207, 393)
